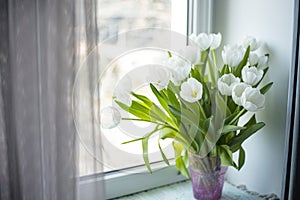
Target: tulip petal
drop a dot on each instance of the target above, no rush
(226, 83)
(252, 75)
(253, 100)
(191, 90)
(110, 117)
(237, 93)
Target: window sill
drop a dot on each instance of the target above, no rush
(183, 191)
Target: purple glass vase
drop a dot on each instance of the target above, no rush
(207, 176)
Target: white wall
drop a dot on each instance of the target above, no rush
(270, 21)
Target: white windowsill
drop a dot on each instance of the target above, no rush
(183, 191)
(124, 182)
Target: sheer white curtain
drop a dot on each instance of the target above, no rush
(42, 44)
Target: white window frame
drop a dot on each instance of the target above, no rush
(118, 183)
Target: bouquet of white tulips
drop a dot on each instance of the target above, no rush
(200, 102)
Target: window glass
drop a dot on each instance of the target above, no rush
(115, 18)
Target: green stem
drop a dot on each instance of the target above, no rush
(203, 60)
(212, 73)
(145, 136)
(202, 110)
(237, 116)
(214, 58)
(227, 108)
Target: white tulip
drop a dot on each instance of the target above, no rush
(180, 73)
(159, 77)
(202, 40)
(110, 117)
(253, 59)
(180, 69)
(226, 83)
(238, 91)
(263, 50)
(193, 38)
(232, 55)
(253, 100)
(262, 62)
(205, 41)
(249, 40)
(252, 75)
(191, 90)
(216, 40)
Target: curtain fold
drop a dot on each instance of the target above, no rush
(41, 51)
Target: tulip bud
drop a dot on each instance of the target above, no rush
(253, 100)
(237, 93)
(232, 55)
(226, 83)
(252, 75)
(252, 42)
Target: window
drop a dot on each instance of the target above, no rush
(122, 22)
(116, 18)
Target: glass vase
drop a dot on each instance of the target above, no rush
(207, 176)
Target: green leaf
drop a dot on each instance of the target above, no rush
(265, 89)
(226, 155)
(231, 128)
(186, 117)
(169, 133)
(159, 97)
(138, 111)
(237, 141)
(195, 74)
(145, 148)
(170, 54)
(225, 138)
(239, 68)
(225, 70)
(242, 155)
(137, 119)
(158, 114)
(145, 153)
(186, 158)
(137, 139)
(138, 106)
(144, 99)
(173, 99)
(163, 154)
(231, 105)
(180, 164)
(175, 89)
(251, 121)
(193, 107)
(123, 106)
(163, 93)
(233, 118)
(206, 93)
(206, 123)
